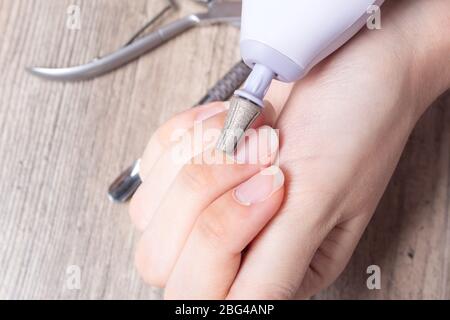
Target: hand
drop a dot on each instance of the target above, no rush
(342, 130)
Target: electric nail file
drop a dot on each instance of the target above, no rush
(283, 40)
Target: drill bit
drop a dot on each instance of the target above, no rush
(240, 117)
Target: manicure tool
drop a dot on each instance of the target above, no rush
(172, 5)
(284, 40)
(123, 188)
(218, 12)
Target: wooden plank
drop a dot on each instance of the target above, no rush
(61, 144)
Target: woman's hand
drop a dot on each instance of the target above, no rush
(342, 130)
(199, 216)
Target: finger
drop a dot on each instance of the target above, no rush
(162, 173)
(210, 259)
(283, 250)
(162, 139)
(160, 176)
(195, 187)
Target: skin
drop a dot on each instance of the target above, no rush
(342, 130)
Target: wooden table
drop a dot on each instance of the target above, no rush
(61, 144)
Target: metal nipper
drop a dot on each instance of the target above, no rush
(218, 12)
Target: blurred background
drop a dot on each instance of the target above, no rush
(61, 144)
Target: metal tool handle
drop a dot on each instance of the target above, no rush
(123, 188)
(120, 57)
(226, 86)
(149, 42)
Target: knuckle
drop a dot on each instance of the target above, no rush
(168, 134)
(197, 178)
(147, 268)
(213, 230)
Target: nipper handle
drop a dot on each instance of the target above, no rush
(120, 57)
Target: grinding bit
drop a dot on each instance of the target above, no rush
(241, 115)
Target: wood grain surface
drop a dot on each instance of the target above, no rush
(62, 143)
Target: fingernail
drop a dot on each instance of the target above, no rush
(258, 146)
(260, 187)
(209, 111)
